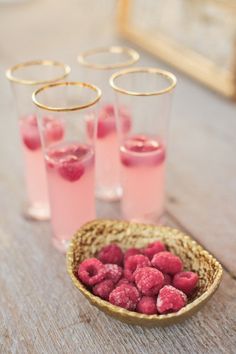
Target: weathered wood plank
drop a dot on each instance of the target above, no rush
(42, 312)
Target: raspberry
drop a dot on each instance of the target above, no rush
(113, 272)
(145, 151)
(71, 169)
(170, 299)
(126, 121)
(135, 262)
(103, 289)
(131, 252)
(107, 122)
(30, 133)
(153, 248)
(167, 262)
(147, 305)
(67, 155)
(91, 271)
(141, 143)
(185, 281)
(111, 254)
(167, 279)
(123, 281)
(126, 296)
(53, 128)
(148, 280)
(80, 151)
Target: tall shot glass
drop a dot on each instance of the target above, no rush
(70, 162)
(25, 78)
(146, 92)
(98, 64)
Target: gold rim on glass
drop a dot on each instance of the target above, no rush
(10, 73)
(67, 109)
(166, 74)
(134, 57)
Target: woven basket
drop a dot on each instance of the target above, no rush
(96, 234)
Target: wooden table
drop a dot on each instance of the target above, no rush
(41, 311)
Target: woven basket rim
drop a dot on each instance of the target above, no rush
(131, 314)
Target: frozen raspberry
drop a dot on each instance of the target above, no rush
(147, 305)
(103, 289)
(126, 121)
(111, 254)
(123, 281)
(153, 248)
(141, 147)
(170, 299)
(126, 296)
(141, 143)
(107, 122)
(113, 272)
(30, 132)
(148, 280)
(71, 169)
(131, 252)
(167, 279)
(91, 271)
(133, 263)
(167, 262)
(53, 128)
(185, 281)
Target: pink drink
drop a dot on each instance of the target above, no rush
(34, 162)
(70, 170)
(142, 173)
(107, 151)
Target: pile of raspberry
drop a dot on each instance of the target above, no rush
(150, 280)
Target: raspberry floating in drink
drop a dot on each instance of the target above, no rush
(30, 132)
(107, 149)
(70, 169)
(53, 129)
(34, 160)
(142, 175)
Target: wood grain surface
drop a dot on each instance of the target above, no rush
(40, 310)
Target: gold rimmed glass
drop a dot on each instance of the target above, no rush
(71, 108)
(146, 93)
(25, 78)
(98, 64)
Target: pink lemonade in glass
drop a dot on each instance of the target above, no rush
(34, 161)
(107, 151)
(70, 171)
(143, 176)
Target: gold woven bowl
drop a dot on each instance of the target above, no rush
(96, 234)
